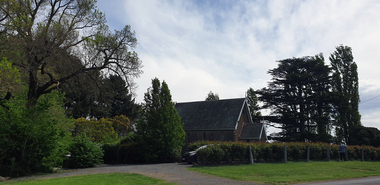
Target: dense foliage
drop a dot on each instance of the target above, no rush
(125, 151)
(95, 96)
(50, 47)
(299, 98)
(345, 86)
(253, 105)
(274, 152)
(160, 130)
(212, 97)
(84, 153)
(53, 41)
(310, 100)
(34, 139)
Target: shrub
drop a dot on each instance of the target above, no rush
(110, 153)
(213, 154)
(274, 152)
(84, 153)
(32, 139)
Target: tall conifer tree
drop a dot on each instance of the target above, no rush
(345, 86)
(297, 96)
(160, 129)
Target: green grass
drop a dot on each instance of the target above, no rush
(293, 172)
(94, 179)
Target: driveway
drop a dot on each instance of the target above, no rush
(177, 173)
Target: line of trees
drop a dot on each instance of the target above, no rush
(310, 99)
(67, 82)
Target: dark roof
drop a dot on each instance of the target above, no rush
(252, 131)
(210, 115)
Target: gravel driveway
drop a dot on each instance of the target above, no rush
(170, 172)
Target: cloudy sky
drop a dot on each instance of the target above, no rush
(198, 46)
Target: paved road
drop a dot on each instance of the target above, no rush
(361, 181)
(177, 173)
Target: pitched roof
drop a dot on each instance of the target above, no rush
(252, 131)
(210, 115)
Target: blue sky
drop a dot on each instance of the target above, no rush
(228, 46)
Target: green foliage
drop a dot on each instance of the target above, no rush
(345, 85)
(213, 154)
(84, 153)
(10, 79)
(35, 139)
(212, 97)
(253, 105)
(42, 47)
(95, 96)
(125, 151)
(299, 98)
(98, 131)
(228, 152)
(160, 130)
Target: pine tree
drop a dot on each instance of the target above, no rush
(212, 97)
(159, 129)
(345, 84)
(297, 98)
(254, 108)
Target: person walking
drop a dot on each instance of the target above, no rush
(342, 150)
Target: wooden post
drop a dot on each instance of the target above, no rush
(362, 154)
(285, 154)
(346, 155)
(308, 153)
(250, 154)
(328, 153)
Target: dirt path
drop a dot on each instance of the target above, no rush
(170, 172)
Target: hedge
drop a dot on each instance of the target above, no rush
(228, 152)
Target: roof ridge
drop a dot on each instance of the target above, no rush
(212, 100)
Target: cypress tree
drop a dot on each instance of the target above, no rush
(345, 85)
(159, 129)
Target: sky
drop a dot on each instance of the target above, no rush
(198, 46)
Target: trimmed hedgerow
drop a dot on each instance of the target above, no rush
(274, 152)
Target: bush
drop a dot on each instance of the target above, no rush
(84, 153)
(125, 151)
(33, 139)
(274, 152)
(110, 153)
(213, 154)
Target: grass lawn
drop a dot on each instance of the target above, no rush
(293, 172)
(95, 179)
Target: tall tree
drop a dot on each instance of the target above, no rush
(42, 36)
(160, 129)
(212, 97)
(253, 105)
(296, 96)
(94, 96)
(345, 84)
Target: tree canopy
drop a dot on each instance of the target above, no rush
(53, 41)
(253, 105)
(212, 97)
(159, 128)
(345, 85)
(298, 97)
(94, 96)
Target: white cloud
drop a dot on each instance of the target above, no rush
(228, 46)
